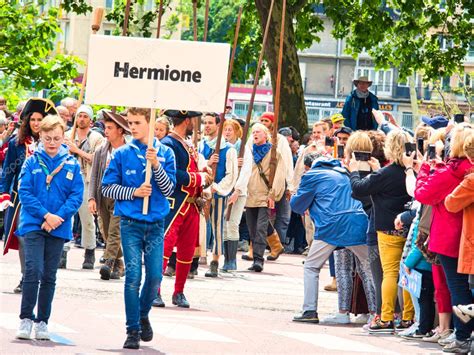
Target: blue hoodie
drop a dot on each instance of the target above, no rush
(326, 191)
(63, 198)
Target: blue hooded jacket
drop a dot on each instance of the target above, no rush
(326, 191)
(351, 109)
(63, 198)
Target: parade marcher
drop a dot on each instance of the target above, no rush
(50, 191)
(162, 128)
(83, 146)
(71, 105)
(141, 235)
(116, 127)
(65, 115)
(326, 191)
(225, 178)
(182, 223)
(19, 148)
(261, 196)
(233, 135)
(358, 106)
(282, 206)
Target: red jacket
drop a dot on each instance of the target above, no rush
(432, 189)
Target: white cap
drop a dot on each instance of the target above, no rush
(87, 110)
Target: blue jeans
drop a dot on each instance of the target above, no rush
(458, 285)
(141, 238)
(282, 218)
(42, 254)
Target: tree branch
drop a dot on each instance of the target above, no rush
(297, 6)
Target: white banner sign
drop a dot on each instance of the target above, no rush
(154, 73)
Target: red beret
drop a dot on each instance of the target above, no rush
(269, 116)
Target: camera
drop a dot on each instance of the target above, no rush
(410, 148)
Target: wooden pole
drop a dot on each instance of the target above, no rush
(160, 14)
(197, 120)
(252, 97)
(151, 136)
(96, 22)
(206, 21)
(126, 18)
(229, 81)
(273, 161)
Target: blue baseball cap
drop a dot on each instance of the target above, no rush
(435, 122)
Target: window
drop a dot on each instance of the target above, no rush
(444, 81)
(107, 32)
(241, 108)
(444, 43)
(149, 5)
(109, 4)
(382, 79)
(406, 83)
(470, 53)
(407, 120)
(468, 81)
(313, 116)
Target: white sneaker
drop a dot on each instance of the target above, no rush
(338, 318)
(24, 331)
(361, 319)
(409, 331)
(464, 312)
(41, 331)
(447, 340)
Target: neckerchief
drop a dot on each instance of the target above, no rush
(50, 176)
(259, 151)
(139, 154)
(362, 95)
(30, 146)
(213, 142)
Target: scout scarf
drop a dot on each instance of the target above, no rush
(50, 176)
(362, 95)
(212, 143)
(259, 151)
(139, 154)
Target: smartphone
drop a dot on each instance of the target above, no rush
(340, 151)
(421, 145)
(328, 141)
(410, 148)
(459, 118)
(362, 156)
(17, 124)
(431, 151)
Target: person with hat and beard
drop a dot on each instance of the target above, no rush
(83, 146)
(357, 110)
(116, 127)
(182, 223)
(20, 147)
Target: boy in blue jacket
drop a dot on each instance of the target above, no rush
(50, 191)
(141, 235)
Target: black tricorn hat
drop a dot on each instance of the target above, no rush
(118, 119)
(181, 114)
(36, 104)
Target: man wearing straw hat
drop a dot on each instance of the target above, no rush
(357, 110)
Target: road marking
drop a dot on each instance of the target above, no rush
(11, 321)
(179, 331)
(332, 342)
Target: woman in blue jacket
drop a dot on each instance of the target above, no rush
(340, 221)
(50, 191)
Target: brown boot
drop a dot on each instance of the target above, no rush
(106, 269)
(119, 270)
(249, 255)
(332, 286)
(276, 248)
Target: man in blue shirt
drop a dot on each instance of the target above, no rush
(141, 235)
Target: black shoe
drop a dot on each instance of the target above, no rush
(19, 288)
(307, 317)
(180, 301)
(63, 260)
(102, 260)
(146, 330)
(106, 269)
(257, 266)
(89, 259)
(382, 327)
(158, 302)
(170, 271)
(213, 267)
(133, 340)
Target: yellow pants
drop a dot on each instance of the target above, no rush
(391, 248)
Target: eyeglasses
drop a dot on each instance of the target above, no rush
(54, 140)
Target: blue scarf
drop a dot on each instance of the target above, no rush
(259, 151)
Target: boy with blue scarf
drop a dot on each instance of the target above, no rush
(141, 235)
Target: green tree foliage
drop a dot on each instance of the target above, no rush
(28, 54)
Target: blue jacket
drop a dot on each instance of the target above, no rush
(351, 109)
(63, 198)
(415, 259)
(12, 166)
(325, 189)
(126, 169)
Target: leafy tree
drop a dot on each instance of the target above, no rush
(27, 54)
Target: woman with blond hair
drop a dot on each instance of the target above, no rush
(387, 189)
(162, 127)
(436, 180)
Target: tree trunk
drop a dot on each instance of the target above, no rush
(292, 107)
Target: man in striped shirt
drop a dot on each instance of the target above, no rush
(142, 235)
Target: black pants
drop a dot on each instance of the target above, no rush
(426, 301)
(257, 223)
(458, 285)
(296, 232)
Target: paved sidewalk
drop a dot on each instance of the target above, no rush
(242, 312)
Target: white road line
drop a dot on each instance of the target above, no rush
(12, 321)
(181, 331)
(332, 342)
